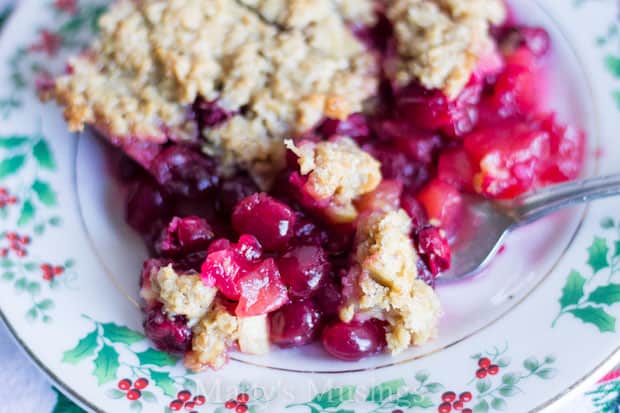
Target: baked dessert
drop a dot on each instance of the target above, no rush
(297, 166)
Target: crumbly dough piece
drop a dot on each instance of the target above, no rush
(338, 170)
(383, 284)
(184, 294)
(440, 42)
(153, 58)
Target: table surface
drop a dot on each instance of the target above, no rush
(24, 388)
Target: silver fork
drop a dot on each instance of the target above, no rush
(485, 224)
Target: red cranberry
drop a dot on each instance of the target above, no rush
(434, 249)
(395, 165)
(354, 341)
(184, 235)
(442, 203)
(385, 197)
(493, 369)
(295, 324)
(465, 397)
(481, 373)
(455, 168)
(124, 384)
(425, 274)
(448, 396)
(303, 269)
(222, 269)
(209, 114)
(444, 408)
(484, 362)
(271, 221)
(355, 127)
(146, 205)
(243, 397)
(183, 171)
(141, 383)
(133, 394)
(415, 211)
(261, 290)
(233, 190)
(176, 405)
(567, 147)
(416, 144)
(168, 334)
(200, 400)
(328, 298)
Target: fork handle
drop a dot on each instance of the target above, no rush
(531, 207)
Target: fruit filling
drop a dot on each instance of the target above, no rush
(297, 169)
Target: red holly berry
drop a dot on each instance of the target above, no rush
(141, 384)
(124, 384)
(467, 411)
(11, 236)
(243, 397)
(230, 404)
(481, 373)
(484, 362)
(14, 246)
(465, 396)
(448, 396)
(58, 270)
(200, 400)
(175, 405)
(4, 252)
(21, 253)
(397, 411)
(3, 191)
(11, 200)
(184, 395)
(493, 369)
(190, 406)
(133, 394)
(458, 405)
(47, 276)
(25, 239)
(444, 408)
(2, 204)
(46, 268)
(242, 408)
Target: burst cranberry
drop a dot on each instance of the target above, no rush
(233, 190)
(425, 274)
(567, 151)
(354, 341)
(182, 171)
(434, 249)
(168, 334)
(295, 324)
(303, 269)
(271, 221)
(442, 203)
(184, 235)
(146, 205)
(415, 211)
(209, 114)
(355, 126)
(418, 145)
(141, 383)
(455, 168)
(535, 39)
(262, 290)
(249, 248)
(328, 298)
(385, 197)
(395, 165)
(223, 269)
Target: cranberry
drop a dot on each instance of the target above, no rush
(168, 334)
(395, 165)
(243, 397)
(133, 394)
(303, 269)
(200, 400)
(183, 171)
(184, 395)
(233, 190)
(271, 221)
(567, 145)
(493, 369)
(355, 126)
(124, 384)
(484, 362)
(455, 168)
(458, 405)
(481, 373)
(418, 145)
(448, 396)
(261, 290)
(146, 205)
(176, 405)
(141, 383)
(465, 397)
(242, 408)
(209, 114)
(434, 249)
(385, 197)
(295, 324)
(444, 408)
(354, 341)
(184, 235)
(425, 274)
(328, 298)
(442, 203)
(415, 211)
(230, 404)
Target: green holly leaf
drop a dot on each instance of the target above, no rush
(106, 364)
(334, 397)
(616, 248)
(6, 263)
(511, 378)
(156, 358)
(503, 362)
(85, 348)
(43, 154)
(114, 394)
(64, 404)
(11, 165)
(598, 254)
(32, 314)
(135, 406)
(26, 214)
(498, 404)
(573, 289)
(21, 284)
(483, 385)
(44, 192)
(30, 266)
(433, 387)
(422, 376)
(613, 65)
(547, 373)
(508, 390)
(163, 380)
(531, 364)
(607, 223)
(606, 294)
(45, 305)
(33, 287)
(344, 411)
(8, 276)
(121, 334)
(149, 397)
(384, 391)
(596, 316)
(482, 407)
(550, 359)
(12, 142)
(410, 400)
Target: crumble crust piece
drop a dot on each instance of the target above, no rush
(383, 284)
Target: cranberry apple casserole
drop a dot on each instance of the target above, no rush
(297, 166)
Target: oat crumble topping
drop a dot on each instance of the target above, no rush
(383, 282)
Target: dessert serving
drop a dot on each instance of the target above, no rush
(297, 168)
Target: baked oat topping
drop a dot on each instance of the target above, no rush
(383, 284)
(337, 170)
(440, 42)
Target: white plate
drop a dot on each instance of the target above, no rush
(545, 312)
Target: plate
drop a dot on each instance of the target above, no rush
(69, 265)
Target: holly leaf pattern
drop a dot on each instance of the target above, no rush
(605, 294)
(616, 248)
(163, 380)
(11, 165)
(613, 65)
(481, 407)
(498, 404)
(43, 154)
(547, 373)
(64, 404)
(44, 192)
(121, 334)
(573, 290)
(531, 364)
(26, 214)
(85, 348)
(596, 316)
(411, 400)
(12, 142)
(483, 385)
(384, 391)
(106, 364)
(156, 358)
(334, 397)
(598, 254)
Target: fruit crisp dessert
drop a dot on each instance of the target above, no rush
(298, 167)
